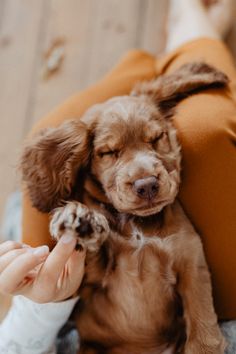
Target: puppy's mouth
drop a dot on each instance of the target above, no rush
(150, 208)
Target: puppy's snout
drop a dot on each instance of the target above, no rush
(146, 188)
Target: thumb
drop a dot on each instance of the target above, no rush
(58, 258)
(76, 267)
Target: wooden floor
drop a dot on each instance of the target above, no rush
(90, 36)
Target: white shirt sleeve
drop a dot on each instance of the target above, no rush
(31, 328)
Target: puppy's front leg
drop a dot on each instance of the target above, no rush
(203, 333)
(89, 227)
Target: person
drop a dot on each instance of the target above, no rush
(47, 284)
(44, 281)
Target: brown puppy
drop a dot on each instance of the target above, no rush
(113, 177)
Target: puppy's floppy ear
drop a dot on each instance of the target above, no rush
(50, 163)
(168, 90)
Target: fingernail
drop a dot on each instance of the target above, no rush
(67, 239)
(41, 251)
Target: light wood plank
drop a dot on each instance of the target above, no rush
(152, 36)
(2, 6)
(231, 40)
(71, 21)
(115, 27)
(19, 33)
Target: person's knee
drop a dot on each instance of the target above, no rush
(206, 119)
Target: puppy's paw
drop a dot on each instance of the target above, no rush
(213, 345)
(89, 227)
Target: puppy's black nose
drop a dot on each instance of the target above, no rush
(146, 188)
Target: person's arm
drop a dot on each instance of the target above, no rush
(32, 328)
(46, 280)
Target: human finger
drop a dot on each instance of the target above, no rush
(9, 246)
(10, 256)
(74, 271)
(18, 269)
(76, 265)
(55, 263)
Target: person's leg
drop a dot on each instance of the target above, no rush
(192, 19)
(206, 125)
(221, 13)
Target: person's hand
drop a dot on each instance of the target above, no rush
(39, 275)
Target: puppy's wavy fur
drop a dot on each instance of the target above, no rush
(147, 287)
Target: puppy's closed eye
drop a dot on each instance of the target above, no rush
(111, 153)
(156, 138)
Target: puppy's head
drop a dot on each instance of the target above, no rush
(128, 144)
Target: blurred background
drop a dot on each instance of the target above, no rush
(50, 49)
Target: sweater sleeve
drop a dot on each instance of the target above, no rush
(31, 328)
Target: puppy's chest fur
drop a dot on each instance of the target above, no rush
(122, 292)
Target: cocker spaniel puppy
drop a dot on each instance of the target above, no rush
(111, 179)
